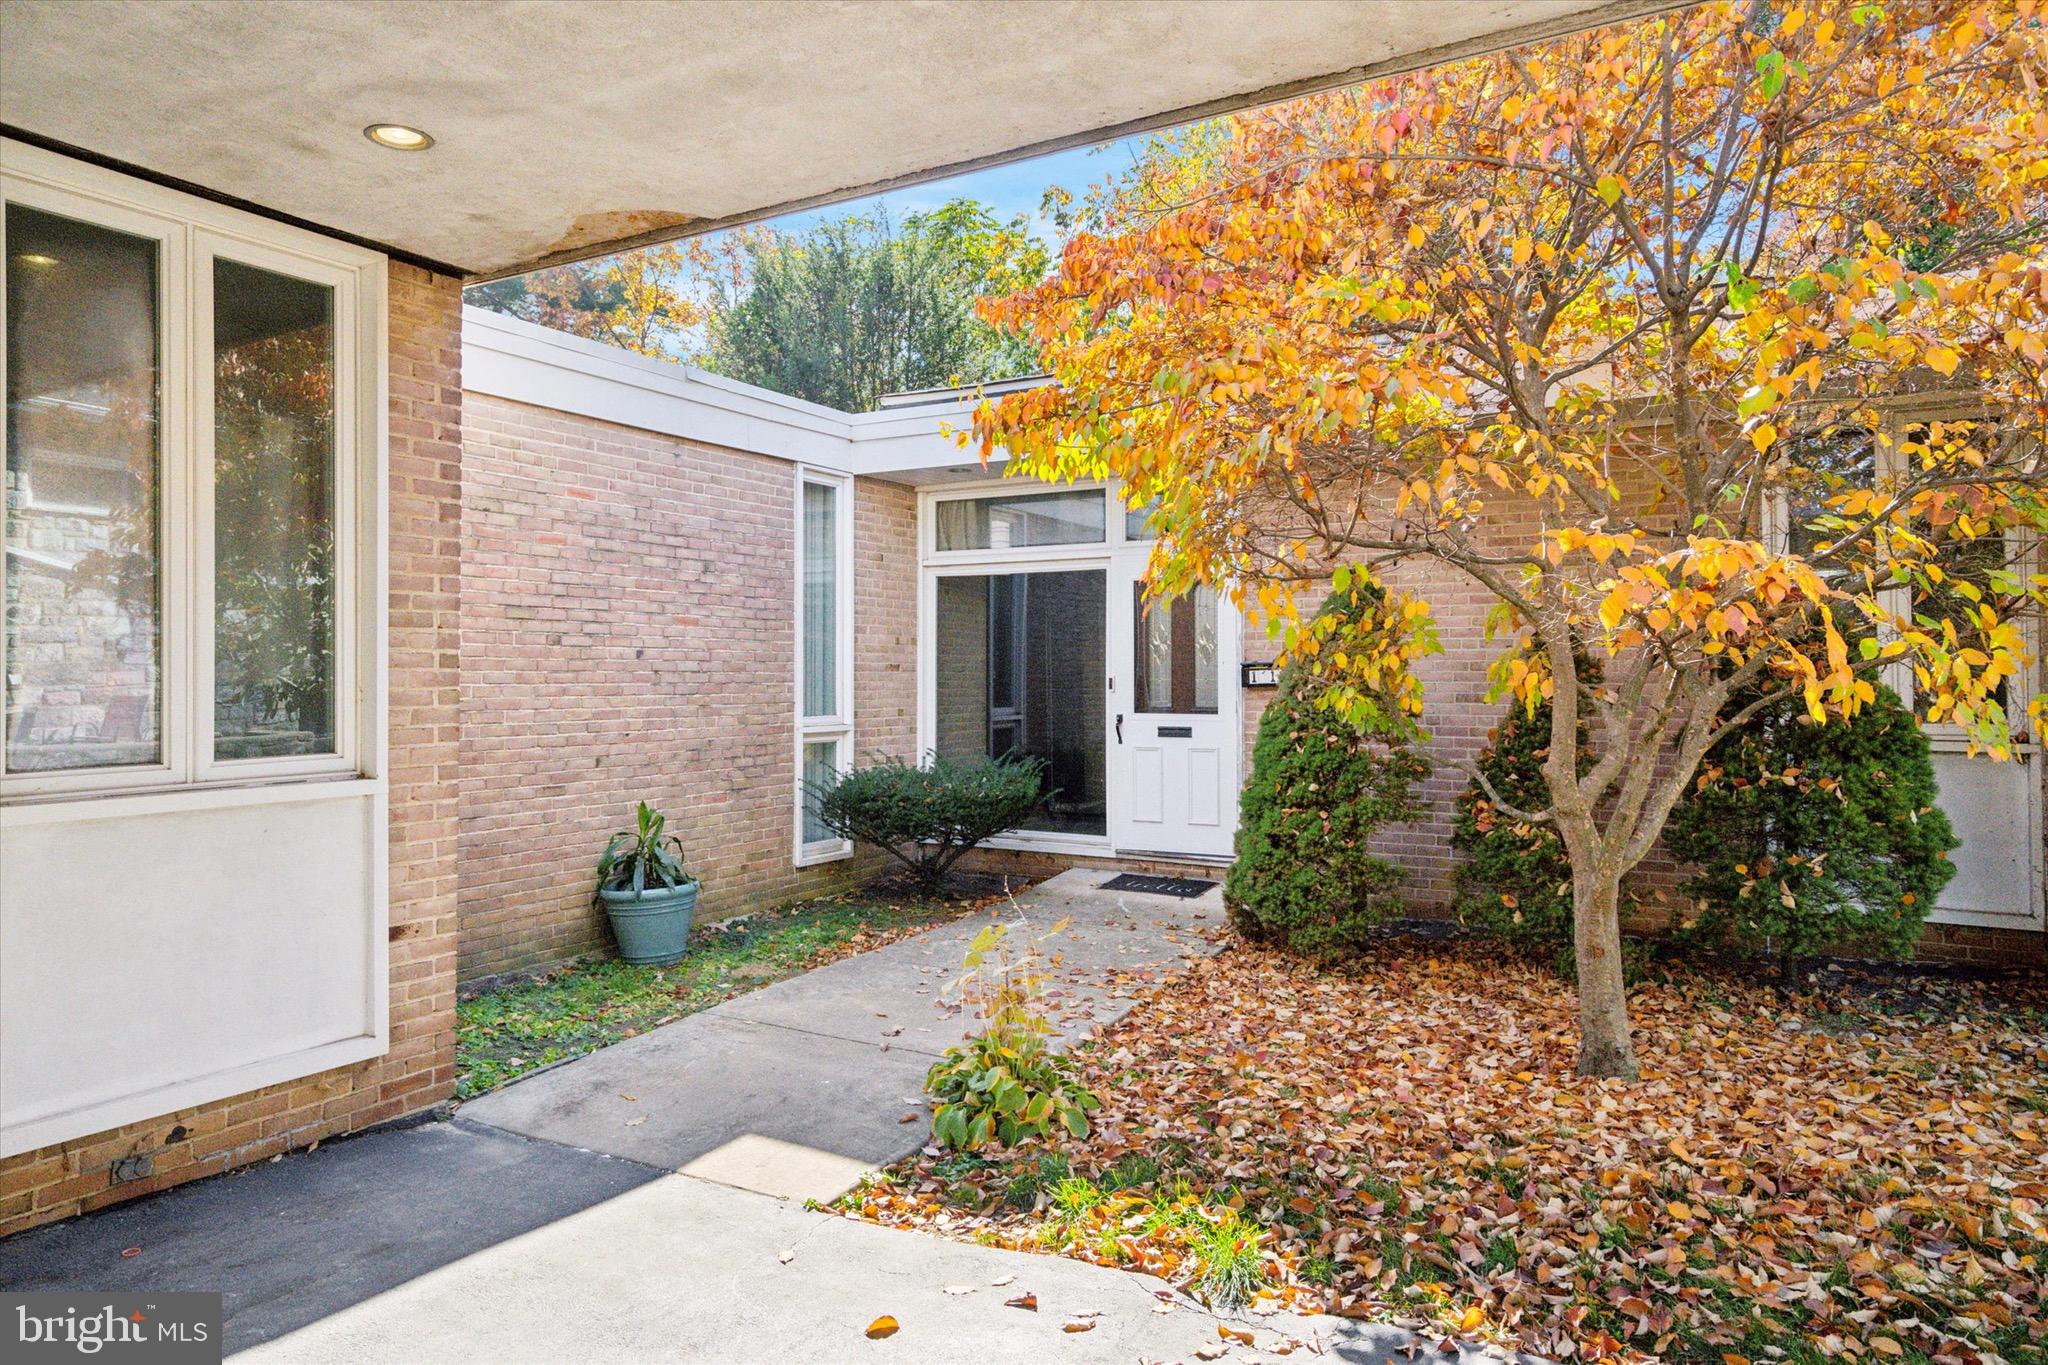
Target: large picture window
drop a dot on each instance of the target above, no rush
(190, 440)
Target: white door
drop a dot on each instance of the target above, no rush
(1173, 735)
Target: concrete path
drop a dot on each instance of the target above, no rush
(685, 1270)
(624, 1207)
(800, 1088)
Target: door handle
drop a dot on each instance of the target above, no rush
(1119, 727)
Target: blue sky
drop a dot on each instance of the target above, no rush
(1009, 190)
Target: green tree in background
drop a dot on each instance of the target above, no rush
(838, 313)
(856, 307)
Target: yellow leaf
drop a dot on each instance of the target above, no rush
(1942, 360)
(884, 1326)
(1523, 250)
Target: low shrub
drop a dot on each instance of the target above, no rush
(1320, 787)
(928, 816)
(1515, 882)
(1005, 1085)
(1812, 837)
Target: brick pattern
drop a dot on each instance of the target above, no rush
(419, 1070)
(629, 634)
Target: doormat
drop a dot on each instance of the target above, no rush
(1187, 888)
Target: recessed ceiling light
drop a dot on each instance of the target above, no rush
(34, 258)
(398, 137)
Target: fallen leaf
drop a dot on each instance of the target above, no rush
(884, 1326)
(1233, 1334)
(788, 1255)
(131, 1251)
(1078, 1327)
(958, 1289)
(1025, 1301)
(1006, 1280)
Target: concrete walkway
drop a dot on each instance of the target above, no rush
(800, 1088)
(644, 1203)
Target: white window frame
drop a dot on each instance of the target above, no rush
(1943, 736)
(934, 564)
(192, 233)
(837, 728)
(1946, 737)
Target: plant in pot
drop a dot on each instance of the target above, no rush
(645, 890)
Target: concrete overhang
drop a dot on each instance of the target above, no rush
(565, 130)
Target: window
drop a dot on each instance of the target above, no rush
(1175, 665)
(84, 633)
(1020, 520)
(1018, 671)
(190, 453)
(824, 675)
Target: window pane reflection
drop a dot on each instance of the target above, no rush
(1176, 663)
(1020, 673)
(274, 646)
(1011, 522)
(83, 609)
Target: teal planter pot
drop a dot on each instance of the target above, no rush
(653, 928)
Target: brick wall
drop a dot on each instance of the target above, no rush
(419, 1070)
(629, 634)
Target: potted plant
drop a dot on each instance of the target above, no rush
(646, 892)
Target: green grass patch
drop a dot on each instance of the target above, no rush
(503, 1034)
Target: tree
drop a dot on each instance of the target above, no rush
(1573, 323)
(641, 299)
(858, 306)
(1816, 837)
(1321, 786)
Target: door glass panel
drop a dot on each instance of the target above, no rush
(1020, 673)
(1176, 653)
(1072, 517)
(274, 434)
(84, 606)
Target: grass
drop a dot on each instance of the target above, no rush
(504, 1034)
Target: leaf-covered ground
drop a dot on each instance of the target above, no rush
(503, 1034)
(1858, 1171)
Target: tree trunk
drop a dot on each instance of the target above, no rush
(1604, 1046)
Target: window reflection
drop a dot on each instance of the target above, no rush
(1020, 673)
(274, 647)
(83, 627)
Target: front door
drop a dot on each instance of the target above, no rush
(1173, 703)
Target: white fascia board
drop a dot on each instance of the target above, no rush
(527, 363)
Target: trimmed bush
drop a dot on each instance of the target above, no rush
(1516, 880)
(929, 816)
(1813, 838)
(1320, 787)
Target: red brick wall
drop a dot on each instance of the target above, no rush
(419, 1070)
(629, 634)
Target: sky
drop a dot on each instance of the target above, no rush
(1009, 190)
